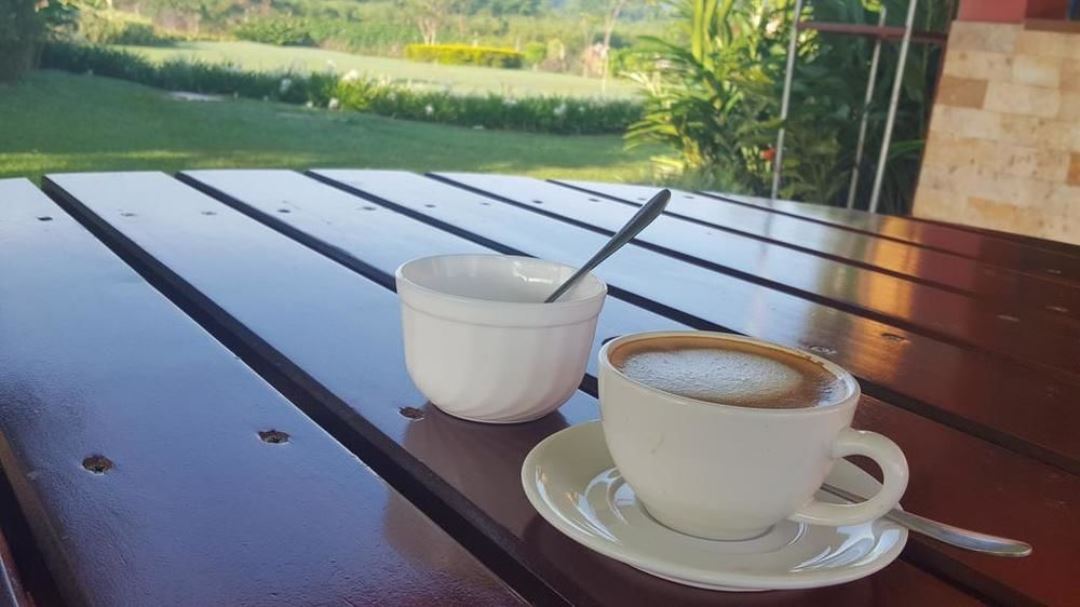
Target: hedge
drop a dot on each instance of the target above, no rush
(115, 27)
(463, 54)
(547, 114)
(275, 30)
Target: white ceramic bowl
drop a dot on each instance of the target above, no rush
(481, 345)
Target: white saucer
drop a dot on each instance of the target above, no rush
(572, 482)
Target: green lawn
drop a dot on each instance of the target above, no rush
(458, 78)
(56, 122)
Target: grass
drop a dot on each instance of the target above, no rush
(458, 78)
(59, 122)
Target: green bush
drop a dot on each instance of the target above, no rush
(538, 114)
(535, 52)
(115, 27)
(463, 54)
(280, 31)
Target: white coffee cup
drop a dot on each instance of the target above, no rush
(731, 472)
(480, 343)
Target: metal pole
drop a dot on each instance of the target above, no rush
(785, 100)
(865, 114)
(891, 118)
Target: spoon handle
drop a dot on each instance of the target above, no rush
(645, 215)
(942, 532)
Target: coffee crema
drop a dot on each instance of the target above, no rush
(729, 372)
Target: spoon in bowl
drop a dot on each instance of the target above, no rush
(645, 215)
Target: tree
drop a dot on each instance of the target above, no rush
(430, 15)
(608, 12)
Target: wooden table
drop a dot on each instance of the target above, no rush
(203, 399)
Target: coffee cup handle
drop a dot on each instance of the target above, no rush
(894, 471)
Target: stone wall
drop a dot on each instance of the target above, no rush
(1003, 150)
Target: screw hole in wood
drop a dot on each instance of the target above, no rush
(127, 214)
(97, 463)
(209, 213)
(274, 437)
(284, 211)
(44, 218)
(411, 413)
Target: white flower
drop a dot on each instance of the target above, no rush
(509, 102)
(334, 104)
(350, 76)
(286, 84)
(392, 96)
(429, 110)
(560, 110)
(309, 104)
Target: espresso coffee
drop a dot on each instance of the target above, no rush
(729, 372)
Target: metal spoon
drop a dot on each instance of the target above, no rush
(954, 536)
(645, 215)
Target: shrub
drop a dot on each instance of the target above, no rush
(276, 30)
(463, 54)
(115, 27)
(535, 52)
(539, 114)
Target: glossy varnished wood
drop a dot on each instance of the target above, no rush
(131, 438)
(985, 247)
(1008, 288)
(12, 591)
(972, 390)
(336, 335)
(947, 465)
(1037, 337)
(1052, 245)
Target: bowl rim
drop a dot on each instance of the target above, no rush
(563, 303)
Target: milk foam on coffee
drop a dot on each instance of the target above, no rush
(729, 372)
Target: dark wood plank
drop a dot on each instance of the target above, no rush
(968, 389)
(1050, 245)
(373, 240)
(195, 508)
(986, 248)
(921, 264)
(336, 335)
(12, 591)
(1040, 338)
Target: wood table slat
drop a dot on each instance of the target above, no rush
(373, 240)
(337, 335)
(191, 507)
(984, 247)
(1040, 338)
(970, 390)
(13, 593)
(1041, 243)
(930, 266)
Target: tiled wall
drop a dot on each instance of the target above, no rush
(1003, 150)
